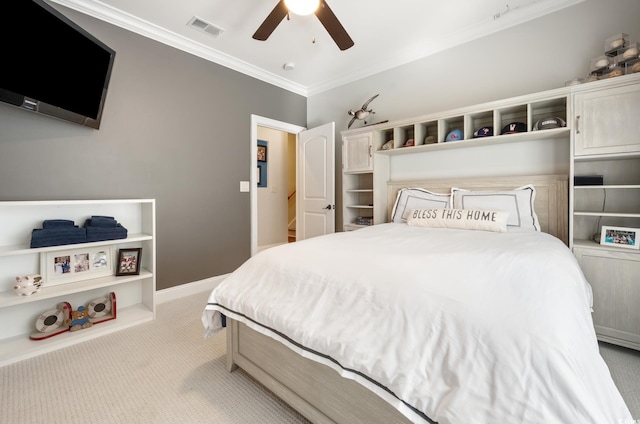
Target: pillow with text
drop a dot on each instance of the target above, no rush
(464, 219)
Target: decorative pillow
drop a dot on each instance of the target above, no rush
(517, 202)
(417, 198)
(466, 219)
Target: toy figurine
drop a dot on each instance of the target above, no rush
(79, 319)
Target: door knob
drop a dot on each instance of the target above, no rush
(328, 207)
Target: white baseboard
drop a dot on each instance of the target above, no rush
(173, 293)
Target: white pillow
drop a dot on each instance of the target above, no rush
(417, 198)
(466, 219)
(517, 202)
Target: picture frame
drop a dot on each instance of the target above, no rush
(623, 237)
(261, 180)
(128, 262)
(262, 153)
(68, 266)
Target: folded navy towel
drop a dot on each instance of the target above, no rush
(56, 223)
(58, 236)
(105, 233)
(101, 221)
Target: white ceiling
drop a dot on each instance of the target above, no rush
(386, 33)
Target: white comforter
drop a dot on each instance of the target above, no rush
(453, 326)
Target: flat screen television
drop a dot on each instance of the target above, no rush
(50, 65)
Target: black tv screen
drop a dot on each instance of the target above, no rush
(52, 66)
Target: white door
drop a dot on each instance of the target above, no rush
(316, 207)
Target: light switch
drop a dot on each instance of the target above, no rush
(244, 186)
(274, 188)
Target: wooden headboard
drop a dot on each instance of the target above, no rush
(551, 202)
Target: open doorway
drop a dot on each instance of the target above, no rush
(276, 169)
(270, 226)
(315, 178)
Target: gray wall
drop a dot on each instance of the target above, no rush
(176, 128)
(539, 55)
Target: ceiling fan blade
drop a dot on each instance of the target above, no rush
(333, 26)
(273, 20)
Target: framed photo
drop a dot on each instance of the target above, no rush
(262, 153)
(129, 261)
(619, 237)
(67, 266)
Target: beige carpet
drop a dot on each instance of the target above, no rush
(166, 372)
(160, 372)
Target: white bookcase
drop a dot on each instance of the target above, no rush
(135, 294)
(606, 143)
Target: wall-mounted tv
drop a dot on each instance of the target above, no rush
(50, 65)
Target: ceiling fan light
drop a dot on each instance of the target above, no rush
(302, 7)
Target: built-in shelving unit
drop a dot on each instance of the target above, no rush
(135, 294)
(606, 143)
(366, 161)
(602, 133)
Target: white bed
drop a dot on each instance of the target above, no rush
(396, 323)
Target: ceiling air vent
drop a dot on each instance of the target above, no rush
(202, 25)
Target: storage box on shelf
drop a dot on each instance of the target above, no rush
(134, 294)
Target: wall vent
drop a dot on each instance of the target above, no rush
(202, 25)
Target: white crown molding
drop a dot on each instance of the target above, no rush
(139, 26)
(506, 19)
(513, 17)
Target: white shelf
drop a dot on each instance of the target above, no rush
(135, 294)
(9, 298)
(21, 347)
(557, 133)
(360, 206)
(610, 214)
(24, 249)
(612, 187)
(590, 244)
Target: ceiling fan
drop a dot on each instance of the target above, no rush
(322, 11)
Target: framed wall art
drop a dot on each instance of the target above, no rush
(619, 237)
(67, 266)
(262, 151)
(262, 163)
(129, 261)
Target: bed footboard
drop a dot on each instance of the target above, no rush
(315, 390)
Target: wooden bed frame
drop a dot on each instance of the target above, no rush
(320, 393)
